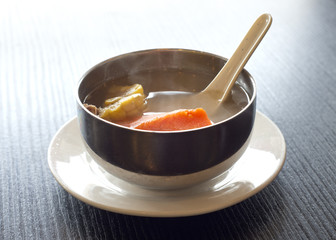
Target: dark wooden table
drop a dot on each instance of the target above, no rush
(46, 46)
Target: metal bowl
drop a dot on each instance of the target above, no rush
(164, 159)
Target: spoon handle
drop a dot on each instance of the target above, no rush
(221, 86)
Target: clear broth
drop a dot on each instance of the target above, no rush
(173, 84)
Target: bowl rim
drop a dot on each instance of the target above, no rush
(80, 103)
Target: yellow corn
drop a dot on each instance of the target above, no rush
(126, 102)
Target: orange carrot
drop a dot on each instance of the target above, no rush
(172, 121)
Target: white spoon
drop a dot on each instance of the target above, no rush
(220, 87)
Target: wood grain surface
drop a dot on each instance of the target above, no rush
(45, 48)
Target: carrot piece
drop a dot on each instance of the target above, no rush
(177, 120)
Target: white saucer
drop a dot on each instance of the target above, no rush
(75, 171)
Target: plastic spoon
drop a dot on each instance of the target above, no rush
(220, 87)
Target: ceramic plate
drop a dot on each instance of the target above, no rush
(75, 171)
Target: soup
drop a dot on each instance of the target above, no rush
(162, 96)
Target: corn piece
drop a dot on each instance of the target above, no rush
(129, 103)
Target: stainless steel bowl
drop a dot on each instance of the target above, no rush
(163, 156)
